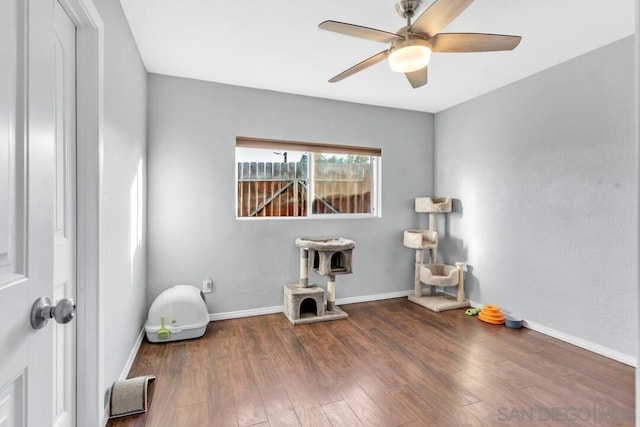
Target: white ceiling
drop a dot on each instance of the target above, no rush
(276, 45)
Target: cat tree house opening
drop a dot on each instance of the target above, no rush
(433, 274)
(304, 302)
(308, 308)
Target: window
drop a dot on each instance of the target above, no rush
(299, 179)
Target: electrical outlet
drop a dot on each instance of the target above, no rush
(207, 286)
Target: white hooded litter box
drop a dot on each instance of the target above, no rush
(178, 313)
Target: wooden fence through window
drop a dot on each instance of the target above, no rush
(280, 189)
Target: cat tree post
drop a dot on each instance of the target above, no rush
(331, 293)
(304, 267)
(433, 252)
(417, 286)
(433, 226)
(461, 268)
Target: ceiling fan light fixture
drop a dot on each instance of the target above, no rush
(409, 55)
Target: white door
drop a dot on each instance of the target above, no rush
(64, 284)
(30, 360)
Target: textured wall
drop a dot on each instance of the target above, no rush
(637, 111)
(545, 172)
(193, 232)
(122, 276)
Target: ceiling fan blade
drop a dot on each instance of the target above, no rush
(359, 31)
(361, 66)
(417, 78)
(439, 15)
(473, 42)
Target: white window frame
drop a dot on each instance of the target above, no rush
(375, 199)
(295, 146)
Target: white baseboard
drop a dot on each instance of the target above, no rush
(582, 343)
(132, 356)
(375, 297)
(578, 342)
(245, 313)
(472, 303)
(278, 308)
(125, 370)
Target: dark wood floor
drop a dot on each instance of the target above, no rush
(390, 363)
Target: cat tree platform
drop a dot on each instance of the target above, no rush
(439, 302)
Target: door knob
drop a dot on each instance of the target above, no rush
(42, 311)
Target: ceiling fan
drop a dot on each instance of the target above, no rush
(411, 46)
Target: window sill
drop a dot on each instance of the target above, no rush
(319, 217)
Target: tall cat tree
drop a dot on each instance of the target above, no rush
(433, 274)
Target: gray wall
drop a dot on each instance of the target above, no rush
(545, 172)
(637, 137)
(122, 278)
(193, 232)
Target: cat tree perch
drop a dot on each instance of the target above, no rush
(433, 274)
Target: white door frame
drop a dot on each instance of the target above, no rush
(637, 134)
(89, 92)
